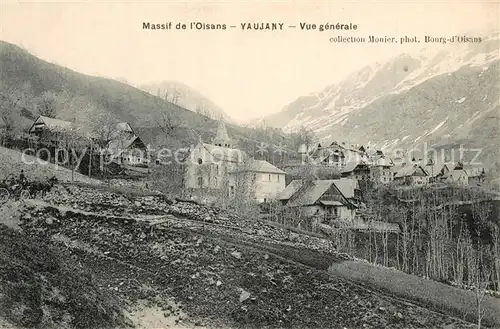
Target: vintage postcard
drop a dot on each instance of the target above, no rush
(249, 164)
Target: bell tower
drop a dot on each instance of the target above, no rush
(221, 137)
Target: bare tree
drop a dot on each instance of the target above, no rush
(168, 125)
(242, 187)
(176, 96)
(306, 137)
(99, 125)
(481, 285)
(46, 104)
(168, 177)
(12, 100)
(75, 145)
(201, 109)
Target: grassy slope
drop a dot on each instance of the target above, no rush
(41, 287)
(435, 295)
(11, 162)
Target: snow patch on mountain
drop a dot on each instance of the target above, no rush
(335, 103)
(438, 126)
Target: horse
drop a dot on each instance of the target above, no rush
(42, 187)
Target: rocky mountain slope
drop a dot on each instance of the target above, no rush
(187, 97)
(443, 97)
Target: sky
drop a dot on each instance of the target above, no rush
(247, 73)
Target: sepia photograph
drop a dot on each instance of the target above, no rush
(249, 164)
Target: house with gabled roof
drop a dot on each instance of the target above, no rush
(267, 181)
(289, 190)
(330, 199)
(381, 170)
(51, 130)
(437, 170)
(459, 176)
(356, 170)
(476, 175)
(125, 147)
(411, 174)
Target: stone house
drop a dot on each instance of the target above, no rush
(262, 180)
(381, 171)
(411, 174)
(356, 170)
(220, 167)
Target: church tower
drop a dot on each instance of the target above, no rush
(222, 138)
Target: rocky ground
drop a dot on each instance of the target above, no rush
(182, 264)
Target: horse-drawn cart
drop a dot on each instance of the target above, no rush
(11, 188)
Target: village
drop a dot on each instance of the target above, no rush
(326, 184)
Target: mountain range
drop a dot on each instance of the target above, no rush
(441, 98)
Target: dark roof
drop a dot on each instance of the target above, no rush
(310, 192)
(123, 143)
(53, 125)
(409, 170)
(290, 189)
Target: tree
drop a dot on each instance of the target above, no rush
(168, 125)
(100, 124)
(76, 146)
(481, 285)
(46, 104)
(13, 100)
(307, 137)
(97, 124)
(168, 175)
(201, 109)
(243, 184)
(168, 178)
(176, 96)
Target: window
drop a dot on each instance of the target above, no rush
(200, 161)
(218, 172)
(269, 177)
(277, 178)
(200, 181)
(334, 211)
